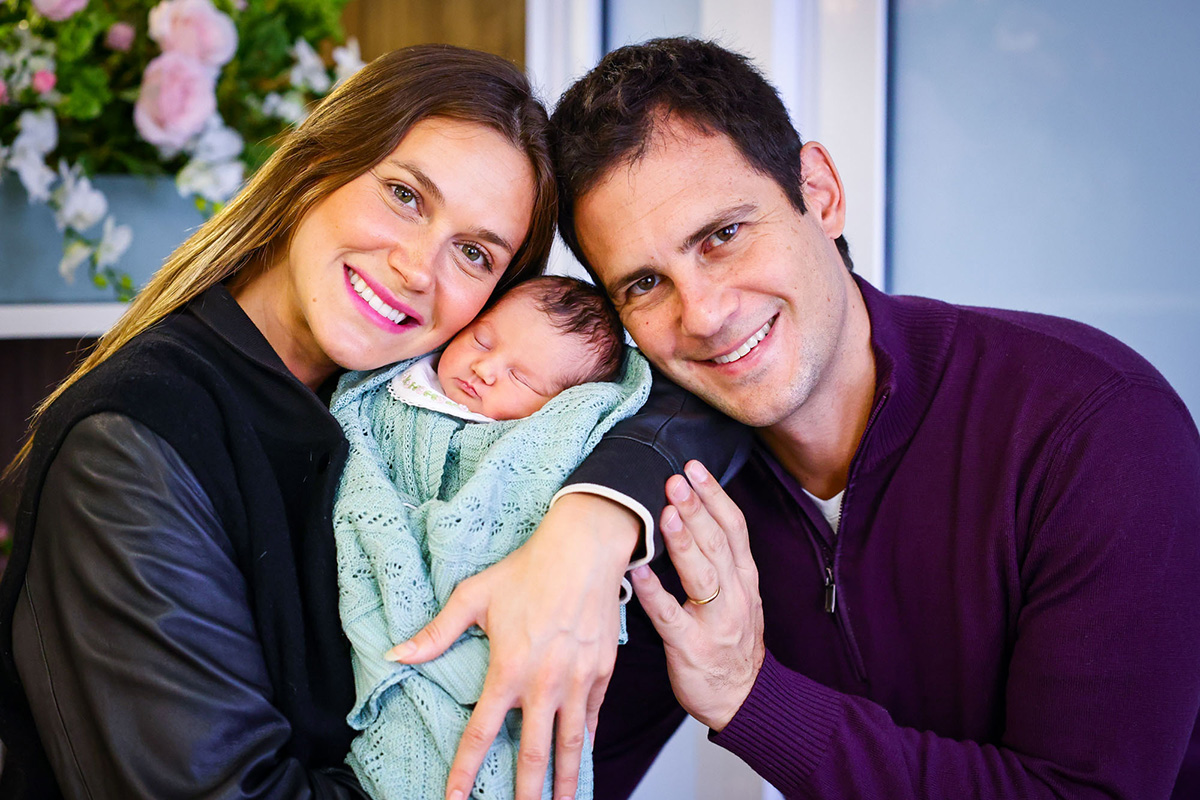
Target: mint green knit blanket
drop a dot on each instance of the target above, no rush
(425, 501)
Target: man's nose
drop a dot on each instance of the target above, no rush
(704, 305)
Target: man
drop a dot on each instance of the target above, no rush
(972, 557)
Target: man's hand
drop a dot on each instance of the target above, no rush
(714, 641)
(551, 614)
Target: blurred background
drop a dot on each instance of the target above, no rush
(1010, 153)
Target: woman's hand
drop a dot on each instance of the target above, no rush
(551, 614)
(714, 640)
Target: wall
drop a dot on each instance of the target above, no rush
(1044, 159)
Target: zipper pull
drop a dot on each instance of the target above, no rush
(830, 592)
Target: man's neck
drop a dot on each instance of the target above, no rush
(817, 443)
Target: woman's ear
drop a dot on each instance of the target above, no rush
(822, 189)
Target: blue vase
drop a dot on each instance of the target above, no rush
(31, 245)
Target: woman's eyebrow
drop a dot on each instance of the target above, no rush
(493, 237)
(433, 191)
(426, 182)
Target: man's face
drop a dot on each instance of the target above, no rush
(723, 284)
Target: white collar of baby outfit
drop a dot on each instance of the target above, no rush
(418, 386)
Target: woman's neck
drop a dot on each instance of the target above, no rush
(267, 299)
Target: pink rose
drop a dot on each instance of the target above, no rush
(44, 80)
(119, 37)
(3, 92)
(58, 10)
(176, 99)
(194, 27)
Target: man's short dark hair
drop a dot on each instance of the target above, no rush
(577, 308)
(608, 116)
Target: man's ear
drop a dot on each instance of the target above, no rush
(822, 189)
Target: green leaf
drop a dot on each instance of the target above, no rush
(76, 36)
(100, 281)
(86, 93)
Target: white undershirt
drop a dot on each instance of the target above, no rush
(831, 509)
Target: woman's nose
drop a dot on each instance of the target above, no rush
(414, 261)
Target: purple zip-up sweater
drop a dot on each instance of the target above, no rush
(1011, 605)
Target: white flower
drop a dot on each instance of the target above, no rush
(41, 64)
(74, 254)
(214, 182)
(347, 60)
(217, 142)
(36, 177)
(113, 243)
(289, 107)
(39, 131)
(309, 71)
(79, 204)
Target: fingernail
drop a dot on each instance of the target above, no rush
(637, 572)
(671, 523)
(402, 650)
(678, 491)
(696, 472)
(456, 795)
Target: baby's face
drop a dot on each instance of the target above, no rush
(510, 361)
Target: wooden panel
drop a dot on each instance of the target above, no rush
(496, 26)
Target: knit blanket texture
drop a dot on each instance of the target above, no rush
(427, 500)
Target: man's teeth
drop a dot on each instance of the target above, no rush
(381, 308)
(747, 347)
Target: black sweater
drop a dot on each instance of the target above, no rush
(203, 405)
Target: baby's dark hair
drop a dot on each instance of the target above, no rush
(578, 308)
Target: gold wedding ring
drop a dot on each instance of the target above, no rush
(706, 600)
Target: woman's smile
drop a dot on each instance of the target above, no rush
(379, 306)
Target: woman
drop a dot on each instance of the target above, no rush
(169, 619)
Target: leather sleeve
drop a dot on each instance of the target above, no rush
(637, 456)
(134, 638)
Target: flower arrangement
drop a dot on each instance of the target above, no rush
(195, 89)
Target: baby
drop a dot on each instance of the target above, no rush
(545, 335)
(453, 461)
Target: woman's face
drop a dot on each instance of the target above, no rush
(401, 258)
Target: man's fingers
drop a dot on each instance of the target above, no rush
(710, 538)
(537, 737)
(481, 731)
(723, 511)
(664, 611)
(696, 571)
(462, 610)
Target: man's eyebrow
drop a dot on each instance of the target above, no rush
(628, 278)
(433, 191)
(719, 220)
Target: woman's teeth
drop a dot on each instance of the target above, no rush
(381, 308)
(748, 346)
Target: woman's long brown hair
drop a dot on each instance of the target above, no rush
(352, 130)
